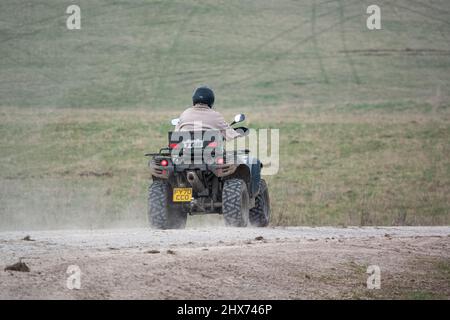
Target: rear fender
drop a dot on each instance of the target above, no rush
(158, 171)
(244, 172)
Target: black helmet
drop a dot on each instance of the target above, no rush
(203, 95)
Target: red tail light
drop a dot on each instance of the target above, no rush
(173, 145)
(164, 162)
(219, 161)
(213, 144)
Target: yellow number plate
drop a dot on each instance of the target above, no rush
(182, 194)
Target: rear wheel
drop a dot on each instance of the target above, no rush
(235, 203)
(177, 218)
(162, 213)
(260, 214)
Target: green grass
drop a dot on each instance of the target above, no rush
(363, 115)
(425, 295)
(148, 53)
(336, 167)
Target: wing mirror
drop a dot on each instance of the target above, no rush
(175, 121)
(238, 118)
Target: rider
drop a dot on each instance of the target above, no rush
(201, 113)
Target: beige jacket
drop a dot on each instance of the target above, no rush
(202, 117)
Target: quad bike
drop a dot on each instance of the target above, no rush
(196, 175)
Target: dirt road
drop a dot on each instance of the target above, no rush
(228, 263)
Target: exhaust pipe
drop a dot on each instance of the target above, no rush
(195, 182)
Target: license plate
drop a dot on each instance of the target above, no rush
(182, 194)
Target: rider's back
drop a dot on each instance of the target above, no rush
(202, 117)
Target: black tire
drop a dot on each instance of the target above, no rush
(162, 214)
(177, 218)
(259, 215)
(235, 203)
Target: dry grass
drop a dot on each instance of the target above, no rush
(86, 168)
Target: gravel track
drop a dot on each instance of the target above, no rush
(228, 263)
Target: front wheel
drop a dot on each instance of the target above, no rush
(260, 214)
(163, 214)
(235, 203)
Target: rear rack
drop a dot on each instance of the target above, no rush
(160, 153)
(168, 154)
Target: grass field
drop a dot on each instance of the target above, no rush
(364, 116)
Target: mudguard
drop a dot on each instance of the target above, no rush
(256, 175)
